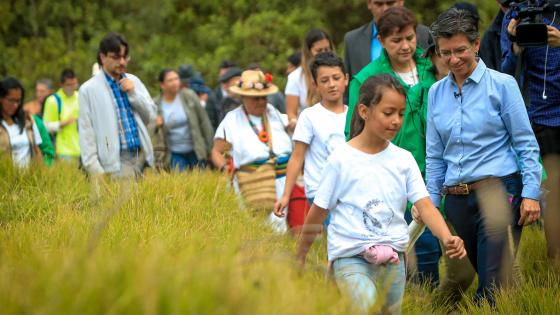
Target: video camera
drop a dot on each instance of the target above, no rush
(531, 30)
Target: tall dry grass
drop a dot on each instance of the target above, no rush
(178, 244)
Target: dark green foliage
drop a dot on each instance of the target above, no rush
(40, 37)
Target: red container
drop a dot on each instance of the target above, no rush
(297, 208)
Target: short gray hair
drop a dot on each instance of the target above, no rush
(47, 82)
(453, 22)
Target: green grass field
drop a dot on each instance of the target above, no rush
(178, 244)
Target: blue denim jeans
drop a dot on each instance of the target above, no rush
(184, 161)
(363, 282)
(486, 243)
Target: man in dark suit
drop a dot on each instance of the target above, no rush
(361, 45)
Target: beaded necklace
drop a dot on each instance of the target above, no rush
(261, 134)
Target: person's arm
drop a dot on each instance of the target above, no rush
(313, 225)
(217, 155)
(88, 142)
(37, 140)
(516, 120)
(292, 105)
(510, 51)
(435, 165)
(353, 93)
(295, 165)
(139, 98)
(204, 122)
(432, 218)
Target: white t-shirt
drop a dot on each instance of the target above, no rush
(21, 151)
(246, 146)
(411, 78)
(323, 131)
(296, 86)
(366, 195)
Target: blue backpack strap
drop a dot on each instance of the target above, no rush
(58, 103)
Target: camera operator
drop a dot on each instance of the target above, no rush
(537, 69)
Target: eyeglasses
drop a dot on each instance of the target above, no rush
(119, 57)
(13, 101)
(458, 52)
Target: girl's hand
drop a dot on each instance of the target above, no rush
(454, 247)
(416, 215)
(280, 205)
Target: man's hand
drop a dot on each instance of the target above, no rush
(67, 122)
(127, 85)
(530, 211)
(512, 29)
(159, 121)
(553, 36)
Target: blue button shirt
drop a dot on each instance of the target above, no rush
(376, 47)
(540, 76)
(128, 132)
(480, 131)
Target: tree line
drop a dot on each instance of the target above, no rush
(41, 37)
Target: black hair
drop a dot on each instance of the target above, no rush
(12, 84)
(371, 93)
(325, 59)
(67, 74)
(163, 73)
(227, 64)
(254, 66)
(295, 58)
(112, 42)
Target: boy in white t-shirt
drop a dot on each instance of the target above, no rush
(320, 128)
(365, 186)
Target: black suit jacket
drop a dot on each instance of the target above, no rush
(357, 46)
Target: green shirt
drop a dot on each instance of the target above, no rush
(67, 139)
(412, 136)
(46, 146)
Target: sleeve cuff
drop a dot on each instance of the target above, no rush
(531, 192)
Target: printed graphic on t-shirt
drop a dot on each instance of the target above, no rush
(377, 216)
(333, 141)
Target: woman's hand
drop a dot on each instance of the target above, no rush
(280, 205)
(454, 247)
(530, 211)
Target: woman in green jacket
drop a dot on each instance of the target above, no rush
(403, 60)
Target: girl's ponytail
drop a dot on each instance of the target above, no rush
(370, 95)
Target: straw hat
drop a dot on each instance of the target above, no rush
(254, 83)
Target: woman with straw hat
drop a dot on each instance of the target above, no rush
(256, 136)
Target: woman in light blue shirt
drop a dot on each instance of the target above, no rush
(479, 143)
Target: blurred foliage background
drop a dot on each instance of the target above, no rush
(41, 37)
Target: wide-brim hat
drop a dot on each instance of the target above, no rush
(254, 83)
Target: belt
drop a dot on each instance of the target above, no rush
(467, 188)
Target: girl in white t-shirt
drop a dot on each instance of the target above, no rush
(300, 92)
(365, 186)
(19, 135)
(320, 128)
